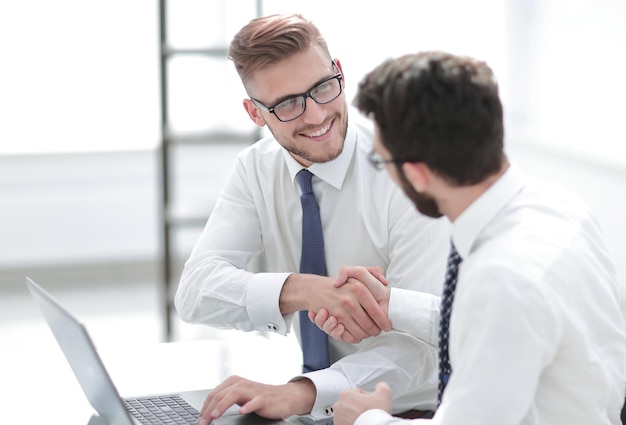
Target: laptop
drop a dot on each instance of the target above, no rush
(112, 409)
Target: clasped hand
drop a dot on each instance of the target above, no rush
(363, 313)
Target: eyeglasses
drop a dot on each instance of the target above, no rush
(379, 162)
(292, 107)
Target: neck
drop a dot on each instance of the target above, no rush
(457, 199)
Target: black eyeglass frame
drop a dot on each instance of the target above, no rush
(379, 163)
(271, 109)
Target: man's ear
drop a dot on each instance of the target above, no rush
(343, 76)
(253, 112)
(417, 173)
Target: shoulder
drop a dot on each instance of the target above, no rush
(262, 147)
(541, 226)
(263, 153)
(364, 128)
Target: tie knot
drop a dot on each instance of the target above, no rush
(304, 180)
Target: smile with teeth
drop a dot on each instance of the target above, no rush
(319, 132)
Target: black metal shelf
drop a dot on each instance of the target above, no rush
(173, 218)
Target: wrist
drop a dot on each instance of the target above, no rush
(297, 294)
(302, 395)
(384, 302)
(288, 301)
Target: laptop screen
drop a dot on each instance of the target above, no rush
(82, 357)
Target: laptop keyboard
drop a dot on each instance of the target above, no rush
(158, 410)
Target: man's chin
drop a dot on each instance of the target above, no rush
(425, 204)
(429, 211)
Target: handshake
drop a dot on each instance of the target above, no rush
(358, 307)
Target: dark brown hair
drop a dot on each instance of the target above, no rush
(440, 109)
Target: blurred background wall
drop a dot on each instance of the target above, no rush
(79, 110)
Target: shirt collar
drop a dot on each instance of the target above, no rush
(332, 172)
(471, 222)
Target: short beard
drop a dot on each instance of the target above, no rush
(324, 157)
(327, 156)
(424, 203)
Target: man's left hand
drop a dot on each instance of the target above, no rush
(352, 403)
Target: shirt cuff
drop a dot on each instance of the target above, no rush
(329, 384)
(262, 303)
(416, 313)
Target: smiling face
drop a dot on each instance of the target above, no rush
(319, 133)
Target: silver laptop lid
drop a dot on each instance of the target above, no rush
(82, 356)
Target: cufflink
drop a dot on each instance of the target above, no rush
(272, 327)
(328, 410)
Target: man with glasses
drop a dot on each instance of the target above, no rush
(297, 90)
(293, 106)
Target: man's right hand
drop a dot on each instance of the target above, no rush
(351, 303)
(373, 279)
(269, 401)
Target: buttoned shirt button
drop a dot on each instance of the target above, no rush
(272, 327)
(328, 410)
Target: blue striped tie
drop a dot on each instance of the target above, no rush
(314, 340)
(444, 319)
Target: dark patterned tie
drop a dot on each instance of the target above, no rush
(314, 340)
(444, 319)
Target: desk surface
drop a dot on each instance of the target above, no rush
(39, 387)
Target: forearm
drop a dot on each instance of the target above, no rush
(416, 313)
(216, 287)
(406, 363)
(214, 292)
(300, 292)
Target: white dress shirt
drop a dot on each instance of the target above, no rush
(366, 221)
(536, 332)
